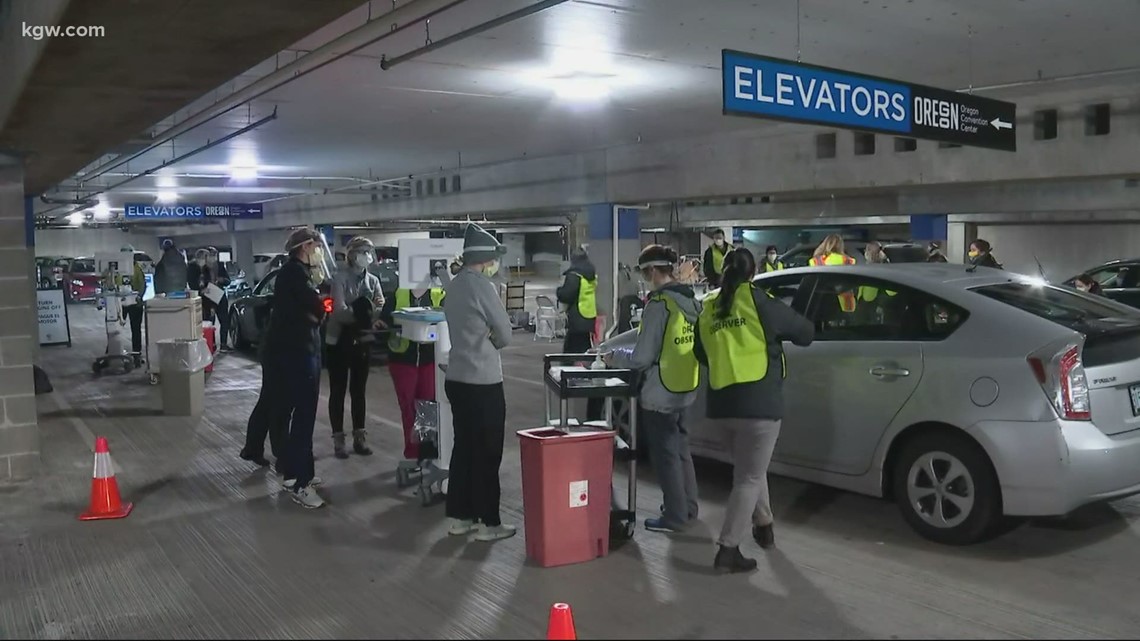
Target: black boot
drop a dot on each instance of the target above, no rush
(258, 459)
(731, 560)
(359, 445)
(764, 535)
(338, 445)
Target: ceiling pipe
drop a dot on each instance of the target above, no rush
(386, 63)
(86, 202)
(388, 24)
(259, 177)
(209, 145)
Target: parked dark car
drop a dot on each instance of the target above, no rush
(1118, 279)
(250, 307)
(897, 252)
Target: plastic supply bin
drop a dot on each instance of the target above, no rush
(210, 334)
(566, 479)
(183, 375)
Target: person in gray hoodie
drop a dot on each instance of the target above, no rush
(478, 326)
(670, 376)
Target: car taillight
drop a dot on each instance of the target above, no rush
(1063, 379)
(328, 305)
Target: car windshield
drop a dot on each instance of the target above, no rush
(1081, 312)
(83, 267)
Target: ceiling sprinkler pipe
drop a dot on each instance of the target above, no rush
(386, 63)
(86, 202)
(390, 23)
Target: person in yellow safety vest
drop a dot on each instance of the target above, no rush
(670, 375)
(831, 252)
(412, 365)
(771, 262)
(579, 294)
(135, 310)
(739, 336)
(714, 258)
(875, 256)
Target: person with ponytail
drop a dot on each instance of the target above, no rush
(739, 337)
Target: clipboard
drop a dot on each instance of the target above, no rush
(214, 293)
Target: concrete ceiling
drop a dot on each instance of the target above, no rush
(88, 95)
(478, 100)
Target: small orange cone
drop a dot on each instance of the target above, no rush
(561, 625)
(105, 500)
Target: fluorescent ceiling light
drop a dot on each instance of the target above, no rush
(167, 196)
(101, 211)
(76, 218)
(243, 173)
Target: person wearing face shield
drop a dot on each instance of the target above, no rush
(771, 262)
(291, 369)
(670, 376)
(357, 303)
(479, 327)
(714, 258)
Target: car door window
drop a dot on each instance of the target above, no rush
(784, 287)
(265, 287)
(855, 308)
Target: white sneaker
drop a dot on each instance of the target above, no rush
(460, 527)
(307, 497)
(495, 533)
(289, 483)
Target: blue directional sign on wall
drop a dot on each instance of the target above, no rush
(763, 87)
(191, 211)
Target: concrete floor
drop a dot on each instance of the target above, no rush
(213, 550)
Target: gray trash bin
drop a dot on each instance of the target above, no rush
(183, 365)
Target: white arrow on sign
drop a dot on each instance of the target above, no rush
(1000, 124)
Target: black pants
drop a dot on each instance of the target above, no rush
(223, 322)
(349, 364)
(135, 315)
(265, 420)
(299, 409)
(579, 343)
(479, 417)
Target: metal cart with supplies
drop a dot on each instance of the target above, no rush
(567, 379)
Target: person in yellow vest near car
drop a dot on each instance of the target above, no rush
(739, 336)
(771, 262)
(412, 365)
(664, 354)
(579, 294)
(714, 258)
(831, 252)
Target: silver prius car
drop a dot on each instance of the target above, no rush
(965, 395)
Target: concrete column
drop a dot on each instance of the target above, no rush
(958, 239)
(19, 429)
(242, 244)
(601, 248)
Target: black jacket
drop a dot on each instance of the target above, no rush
(170, 273)
(763, 399)
(986, 260)
(711, 275)
(417, 353)
(296, 312)
(567, 294)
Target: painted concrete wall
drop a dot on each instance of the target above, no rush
(1064, 250)
(87, 242)
(19, 335)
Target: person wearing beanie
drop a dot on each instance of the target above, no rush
(170, 273)
(479, 327)
(579, 293)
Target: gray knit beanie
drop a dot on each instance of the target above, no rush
(479, 246)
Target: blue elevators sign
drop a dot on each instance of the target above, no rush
(763, 87)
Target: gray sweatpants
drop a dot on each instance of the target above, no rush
(673, 463)
(751, 442)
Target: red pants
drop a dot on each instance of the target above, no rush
(413, 383)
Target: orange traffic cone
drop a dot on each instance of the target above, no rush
(561, 625)
(105, 500)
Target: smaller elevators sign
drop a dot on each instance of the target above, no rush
(762, 87)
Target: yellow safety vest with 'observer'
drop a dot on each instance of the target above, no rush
(718, 258)
(403, 300)
(588, 297)
(846, 299)
(736, 345)
(677, 364)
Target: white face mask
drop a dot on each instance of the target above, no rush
(719, 242)
(772, 258)
(362, 260)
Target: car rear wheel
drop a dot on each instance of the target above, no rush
(947, 490)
